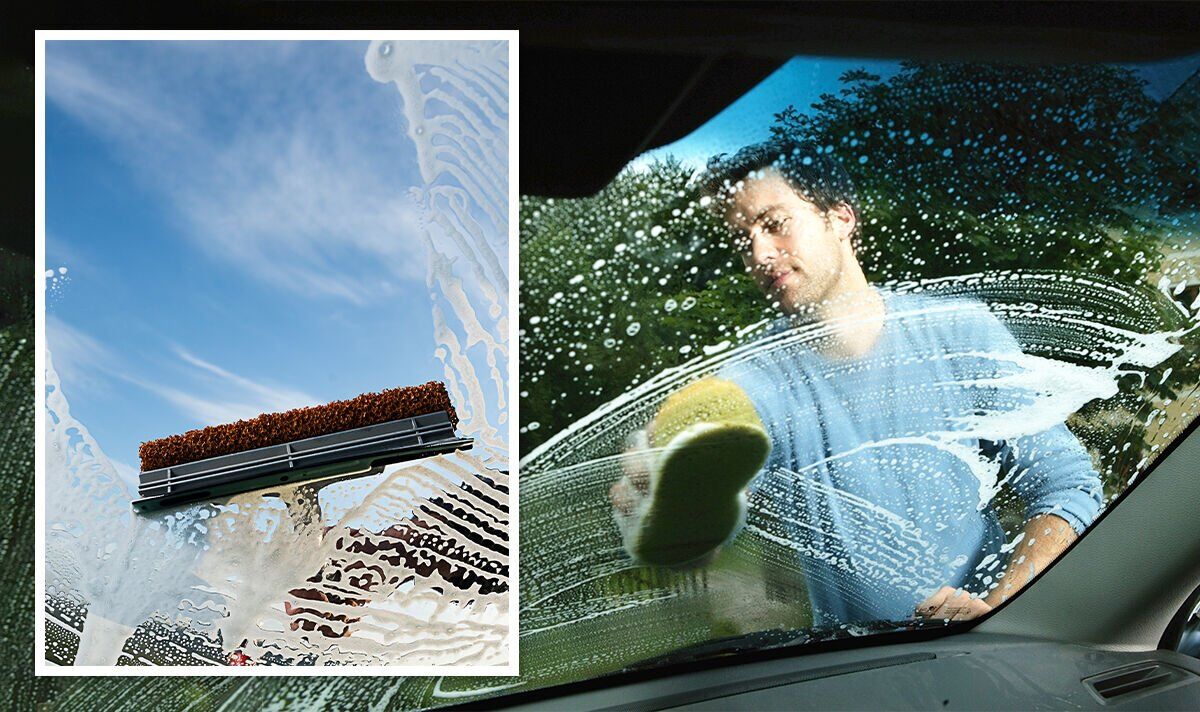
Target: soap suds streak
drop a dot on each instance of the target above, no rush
(1081, 339)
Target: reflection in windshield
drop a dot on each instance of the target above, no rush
(367, 571)
(760, 580)
(1024, 232)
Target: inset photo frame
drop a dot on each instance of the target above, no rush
(274, 370)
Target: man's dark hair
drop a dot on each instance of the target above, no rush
(811, 170)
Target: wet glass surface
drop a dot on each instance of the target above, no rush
(1020, 349)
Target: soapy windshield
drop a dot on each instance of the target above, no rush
(1019, 350)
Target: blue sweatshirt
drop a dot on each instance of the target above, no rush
(883, 467)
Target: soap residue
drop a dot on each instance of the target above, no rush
(1088, 348)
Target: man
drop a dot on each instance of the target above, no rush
(891, 417)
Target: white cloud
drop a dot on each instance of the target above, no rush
(79, 359)
(213, 394)
(266, 398)
(204, 411)
(218, 396)
(111, 108)
(287, 186)
(302, 217)
(127, 472)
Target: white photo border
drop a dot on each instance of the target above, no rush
(41, 666)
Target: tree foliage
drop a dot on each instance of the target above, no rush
(616, 287)
(964, 167)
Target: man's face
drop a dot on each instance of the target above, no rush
(794, 252)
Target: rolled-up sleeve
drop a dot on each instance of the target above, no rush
(1053, 474)
(1051, 471)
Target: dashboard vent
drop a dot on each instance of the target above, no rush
(1124, 681)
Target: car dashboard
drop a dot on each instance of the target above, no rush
(970, 671)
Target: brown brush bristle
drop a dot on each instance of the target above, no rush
(276, 428)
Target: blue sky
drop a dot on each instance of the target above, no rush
(234, 223)
(800, 83)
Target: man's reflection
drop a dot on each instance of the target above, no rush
(874, 415)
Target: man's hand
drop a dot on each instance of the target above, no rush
(1044, 538)
(635, 483)
(952, 604)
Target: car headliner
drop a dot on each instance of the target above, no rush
(600, 85)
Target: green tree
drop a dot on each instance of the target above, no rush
(963, 167)
(616, 287)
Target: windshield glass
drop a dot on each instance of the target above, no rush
(867, 351)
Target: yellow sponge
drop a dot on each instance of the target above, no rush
(710, 400)
(708, 443)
